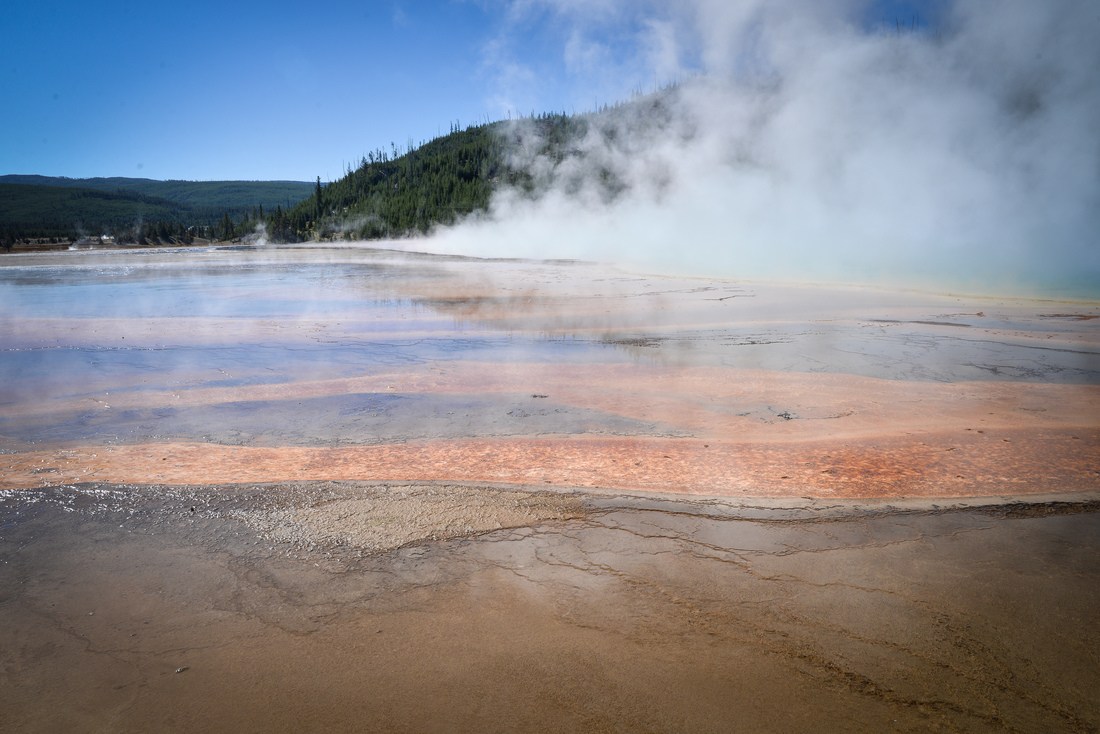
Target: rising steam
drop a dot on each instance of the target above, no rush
(803, 142)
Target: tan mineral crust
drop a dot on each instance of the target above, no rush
(341, 488)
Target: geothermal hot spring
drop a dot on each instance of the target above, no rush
(349, 488)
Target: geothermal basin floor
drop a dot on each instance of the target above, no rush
(349, 488)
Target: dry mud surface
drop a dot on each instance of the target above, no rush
(350, 489)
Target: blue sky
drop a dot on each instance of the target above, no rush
(279, 90)
(213, 90)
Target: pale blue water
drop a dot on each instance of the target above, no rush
(364, 312)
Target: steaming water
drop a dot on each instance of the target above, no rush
(234, 319)
(229, 345)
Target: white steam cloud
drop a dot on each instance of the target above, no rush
(805, 143)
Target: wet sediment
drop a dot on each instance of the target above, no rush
(283, 608)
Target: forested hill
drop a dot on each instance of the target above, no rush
(33, 212)
(393, 194)
(39, 209)
(221, 195)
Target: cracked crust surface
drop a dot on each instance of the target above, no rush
(187, 608)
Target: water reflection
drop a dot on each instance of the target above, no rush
(101, 346)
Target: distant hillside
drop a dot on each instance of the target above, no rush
(67, 213)
(221, 195)
(36, 208)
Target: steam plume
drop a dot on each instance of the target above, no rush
(806, 143)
